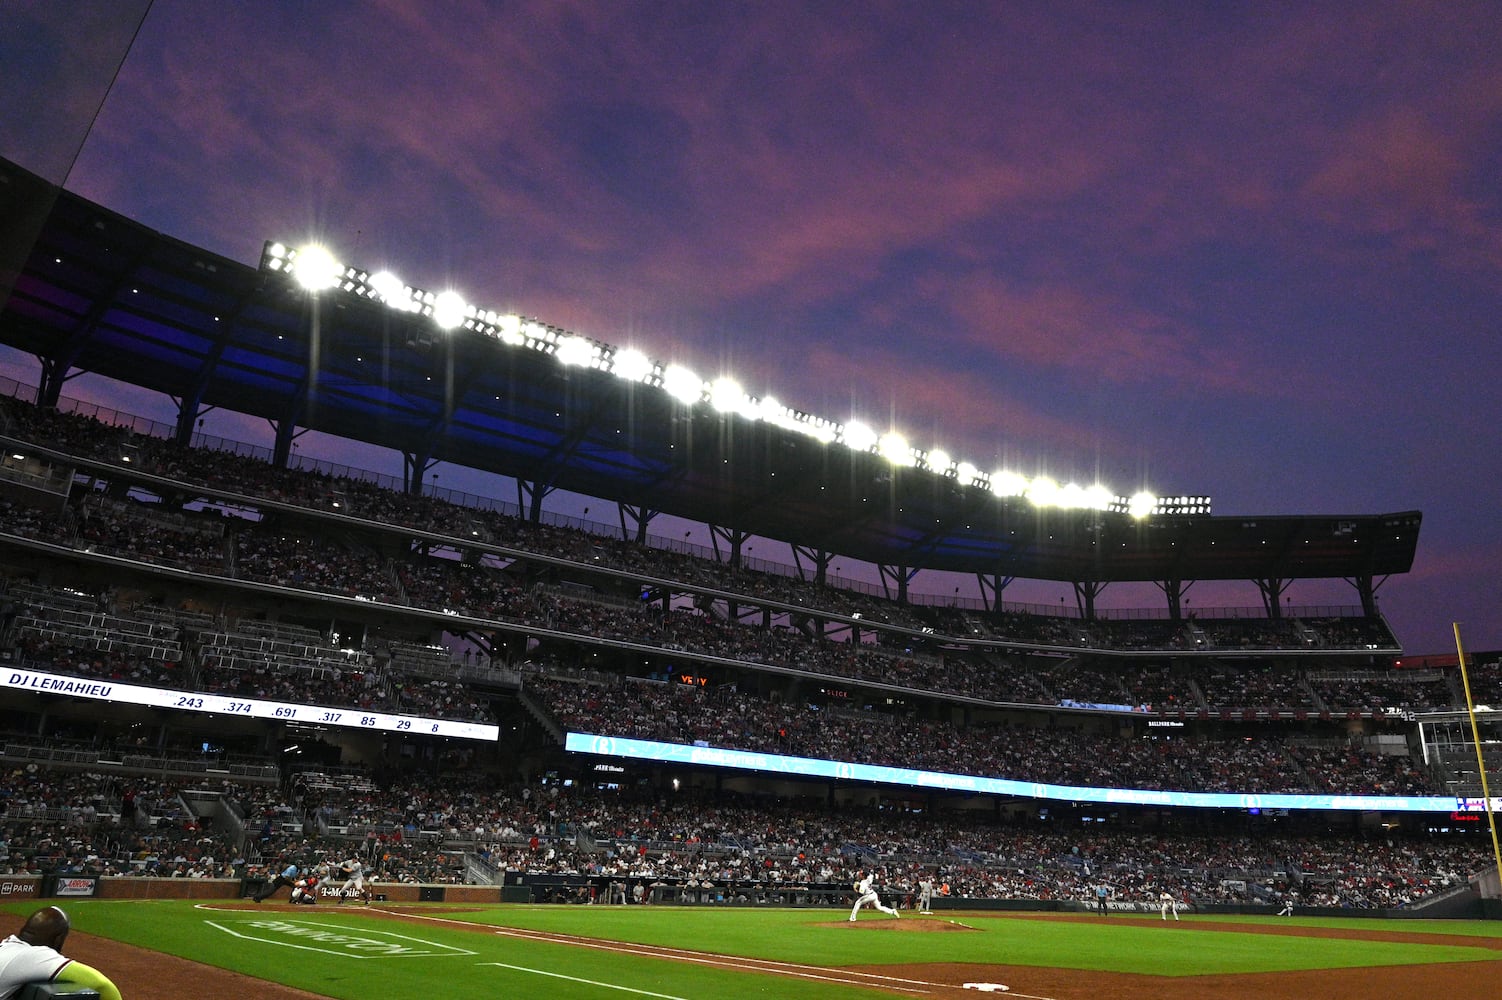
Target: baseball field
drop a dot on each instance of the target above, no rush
(182, 949)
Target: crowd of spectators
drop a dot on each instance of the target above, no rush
(425, 830)
(81, 822)
(28, 521)
(71, 822)
(167, 538)
(728, 718)
(295, 560)
(50, 635)
(40, 653)
(304, 562)
(991, 677)
(1252, 685)
(363, 499)
(1383, 691)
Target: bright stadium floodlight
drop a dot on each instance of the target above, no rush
(388, 287)
(573, 350)
(821, 432)
(726, 395)
(631, 365)
(448, 309)
(315, 268)
(895, 449)
(1097, 497)
(1073, 496)
(392, 291)
(819, 429)
(682, 384)
(858, 437)
(1043, 492)
(769, 410)
(1008, 484)
(510, 326)
(538, 337)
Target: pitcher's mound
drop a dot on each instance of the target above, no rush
(913, 925)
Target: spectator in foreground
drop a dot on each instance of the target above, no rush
(34, 954)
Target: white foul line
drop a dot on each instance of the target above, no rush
(588, 982)
(739, 963)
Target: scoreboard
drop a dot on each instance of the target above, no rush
(98, 689)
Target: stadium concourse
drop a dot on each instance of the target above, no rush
(205, 573)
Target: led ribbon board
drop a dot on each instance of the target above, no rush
(808, 767)
(98, 689)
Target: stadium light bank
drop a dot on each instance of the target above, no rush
(315, 269)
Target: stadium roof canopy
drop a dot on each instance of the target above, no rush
(98, 292)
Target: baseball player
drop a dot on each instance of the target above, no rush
(1287, 910)
(866, 893)
(1166, 902)
(305, 891)
(354, 881)
(288, 876)
(926, 894)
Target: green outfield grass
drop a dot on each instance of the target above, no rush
(315, 949)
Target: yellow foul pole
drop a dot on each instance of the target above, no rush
(1486, 795)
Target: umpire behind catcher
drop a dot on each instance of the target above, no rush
(287, 876)
(34, 954)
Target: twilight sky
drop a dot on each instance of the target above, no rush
(1247, 250)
